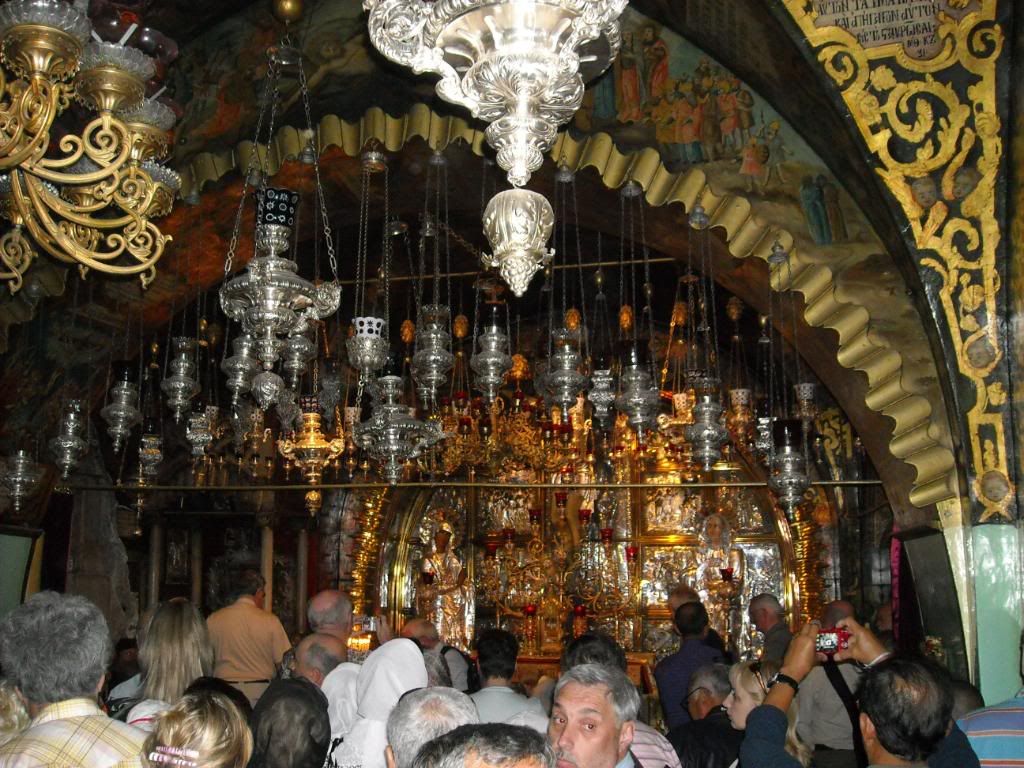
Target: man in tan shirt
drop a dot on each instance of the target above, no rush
(247, 640)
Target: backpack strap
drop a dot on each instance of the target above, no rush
(835, 677)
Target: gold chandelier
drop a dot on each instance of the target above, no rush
(91, 204)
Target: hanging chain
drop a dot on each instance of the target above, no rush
(579, 268)
(386, 276)
(328, 237)
(362, 246)
(269, 97)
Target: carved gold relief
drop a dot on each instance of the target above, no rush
(933, 127)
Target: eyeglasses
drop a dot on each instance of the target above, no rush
(756, 669)
(685, 702)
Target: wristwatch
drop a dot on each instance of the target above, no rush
(781, 678)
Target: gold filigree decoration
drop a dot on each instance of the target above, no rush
(933, 127)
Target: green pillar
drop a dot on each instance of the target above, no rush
(999, 602)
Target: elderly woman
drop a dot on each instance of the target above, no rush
(176, 651)
(390, 671)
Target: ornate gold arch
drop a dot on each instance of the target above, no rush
(945, 110)
(918, 439)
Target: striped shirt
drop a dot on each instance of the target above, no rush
(996, 733)
(74, 733)
(651, 749)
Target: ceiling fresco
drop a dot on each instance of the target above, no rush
(731, 128)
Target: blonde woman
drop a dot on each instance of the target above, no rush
(750, 683)
(13, 715)
(176, 651)
(203, 730)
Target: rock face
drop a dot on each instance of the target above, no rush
(97, 560)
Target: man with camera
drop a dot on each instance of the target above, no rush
(828, 711)
(905, 705)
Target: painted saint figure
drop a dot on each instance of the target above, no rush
(447, 599)
(629, 81)
(655, 54)
(720, 576)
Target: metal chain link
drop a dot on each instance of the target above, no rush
(386, 276)
(328, 237)
(268, 88)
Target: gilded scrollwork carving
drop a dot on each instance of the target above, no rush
(934, 128)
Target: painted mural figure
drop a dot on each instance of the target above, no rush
(630, 82)
(687, 113)
(729, 120)
(655, 54)
(814, 210)
(752, 163)
(447, 597)
(710, 126)
(720, 576)
(777, 154)
(604, 96)
(833, 211)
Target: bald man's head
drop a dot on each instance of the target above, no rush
(330, 612)
(422, 631)
(836, 611)
(317, 655)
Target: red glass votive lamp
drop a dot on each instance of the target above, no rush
(547, 430)
(726, 574)
(491, 548)
(427, 576)
(606, 535)
(465, 425)
(508, 533)
(535, 515)
(585, 515)
(579, 610)
(461, 398)
(530, 609)
(631, 552)
(561, 498)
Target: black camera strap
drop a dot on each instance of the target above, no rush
(835, 676)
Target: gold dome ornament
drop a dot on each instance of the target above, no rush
(626, 318)
(520, 368)
(408, 331)
(460, 327)
(572, 319)
(679, 313)
(288, 11)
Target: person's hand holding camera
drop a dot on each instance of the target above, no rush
(862, 646)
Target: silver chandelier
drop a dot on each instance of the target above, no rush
(270, 299)
(518, 66)
(392, 436)
(68, 447)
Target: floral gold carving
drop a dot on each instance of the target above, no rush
(933, 127)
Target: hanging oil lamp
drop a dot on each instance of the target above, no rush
(68, 447)
(311, 451)
(122, 413)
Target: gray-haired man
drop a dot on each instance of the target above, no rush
(708, 740)
(55, 649)
(487, 745)
(593, 717)
(421, 716)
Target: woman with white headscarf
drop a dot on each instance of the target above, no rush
(390, 671)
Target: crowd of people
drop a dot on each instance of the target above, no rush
(231, 691)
